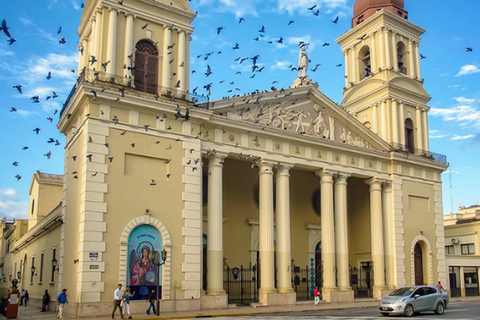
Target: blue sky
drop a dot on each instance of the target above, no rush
(451, 75)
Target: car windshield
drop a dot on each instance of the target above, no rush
(402, 292)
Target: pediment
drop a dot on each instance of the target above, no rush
(296, 111)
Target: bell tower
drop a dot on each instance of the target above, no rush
(383, 86)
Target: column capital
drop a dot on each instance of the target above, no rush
(283, 167)
(375, 183)
(341, 177)
(265, 167)
(112, 9)
(325, 172)
(388, 186)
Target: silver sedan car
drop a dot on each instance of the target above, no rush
(410, 300)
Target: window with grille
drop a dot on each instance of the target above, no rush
(146, 67)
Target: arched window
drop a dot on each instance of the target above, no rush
(365, 70)
(146, 67)
(409, 141)
(402, 57)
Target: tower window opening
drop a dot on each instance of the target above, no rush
(402, 57)
(146, 67)
(409, 139)
(365, 64)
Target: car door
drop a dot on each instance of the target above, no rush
(430, 298)
(418, 300)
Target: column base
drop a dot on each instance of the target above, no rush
(215, 292)
(338, 296)
(379, 293)
(276, 299)
(214, 301)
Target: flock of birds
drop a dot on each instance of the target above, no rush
(255, 68)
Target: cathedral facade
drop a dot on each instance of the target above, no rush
(251, 199)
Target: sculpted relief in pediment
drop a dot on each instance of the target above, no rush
(310, 119)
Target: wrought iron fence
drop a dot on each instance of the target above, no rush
(437, 157)
(95, 76)
(301, 283)
(241, 284)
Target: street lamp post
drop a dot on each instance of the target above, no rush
(158, 264)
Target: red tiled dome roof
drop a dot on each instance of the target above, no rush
(362, 9)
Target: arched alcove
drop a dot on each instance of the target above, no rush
(364, 64)
(421, 243)
(146, 67)
(167, 244)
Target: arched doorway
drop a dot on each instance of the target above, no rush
(418, 264)
(409, 141)
(146, 67)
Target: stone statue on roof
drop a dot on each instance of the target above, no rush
(302, 63)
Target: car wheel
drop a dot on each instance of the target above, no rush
(409, 310)
(385, 314)
(439, 309)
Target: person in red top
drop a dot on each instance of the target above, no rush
(316, 294)
(440, 287)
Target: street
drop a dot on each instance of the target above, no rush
(460, 310)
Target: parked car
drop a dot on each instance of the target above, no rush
(410, 300)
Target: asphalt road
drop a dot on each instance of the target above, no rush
(456, 310)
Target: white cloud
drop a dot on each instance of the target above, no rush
(438, 136)
(282, 65)
(11, 206)
(467, 69)
(462, 114)
(456, 137)
(302, 5)
(465, 100)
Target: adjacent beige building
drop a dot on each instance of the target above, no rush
(462, 251)
(254, 199)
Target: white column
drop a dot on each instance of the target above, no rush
(347, 66)
(394, 111)
(388, 56)
(284, 255)
(354, 66)
(389, 227)
(328, 232)
(215, 226)
(341, 232)
(97, 41)
(112, 42)
(395, 51)
(266, 245)
(418, 128)
(181, 60)
(425, 130)
(373, 54)
(166, 72)
(417, 59)
(375, 118)
(382, 50)
(128, 46)
(383, 120)
(376, 233)
(412, 60)
(402, 123)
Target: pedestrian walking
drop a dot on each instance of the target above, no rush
(152, 297)
(440, 287)
(45, 301)
(126, 302)
(61, 299)
(117, 300)
(316, 295)
(25, 298)
(22, 297)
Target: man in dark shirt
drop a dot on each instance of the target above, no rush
(152, 297)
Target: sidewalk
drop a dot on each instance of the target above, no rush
(28, 313)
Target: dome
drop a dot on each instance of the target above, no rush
(362, 5)
(362, 9)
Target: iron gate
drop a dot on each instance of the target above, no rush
(241, 284)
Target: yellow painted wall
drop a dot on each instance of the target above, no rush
(419, 218)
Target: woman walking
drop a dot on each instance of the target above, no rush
(126, 302)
